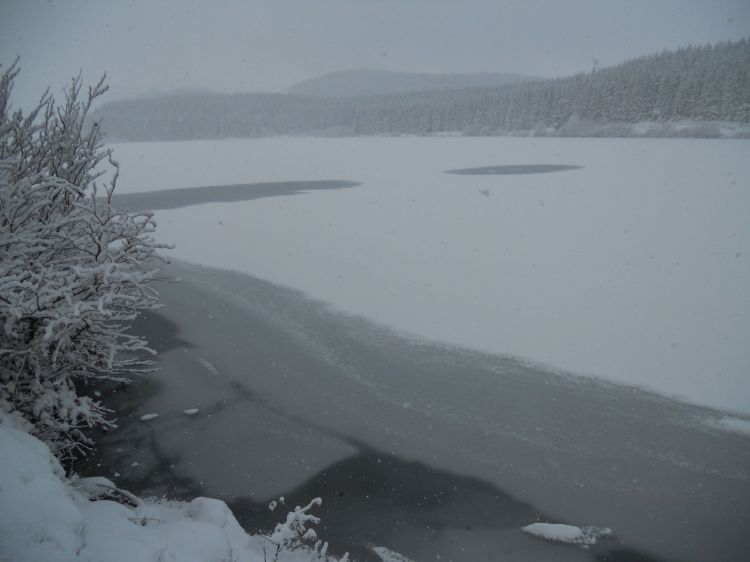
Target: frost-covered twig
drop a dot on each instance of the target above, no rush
(295, 533)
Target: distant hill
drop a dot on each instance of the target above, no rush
(184, 91)
(369, 82)
(694, 92)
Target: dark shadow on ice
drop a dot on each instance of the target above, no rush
(512, 170)
(184, 197)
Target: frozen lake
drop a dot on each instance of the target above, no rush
(510, 170)
(425, 449)
(633, 267)
(437, 430)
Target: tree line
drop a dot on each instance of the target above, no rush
(707, 83)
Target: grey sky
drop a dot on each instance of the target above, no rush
(267, 45)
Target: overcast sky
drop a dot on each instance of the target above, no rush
(267, 45)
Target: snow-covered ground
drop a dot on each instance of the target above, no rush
(47, 517)
(634, 268)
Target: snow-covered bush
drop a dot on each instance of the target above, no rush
(73, 270)
(295, 534)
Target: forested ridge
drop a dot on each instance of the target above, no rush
(373, 82)
(703, 84)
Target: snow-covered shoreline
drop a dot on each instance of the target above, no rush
(586, 432)
(324, 396)
(48, 517)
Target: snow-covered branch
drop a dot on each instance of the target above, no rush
(73, 270)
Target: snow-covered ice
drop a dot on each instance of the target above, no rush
(387, 555)
(148, 417)
(634, 268)
(584, 536)
(190, 411)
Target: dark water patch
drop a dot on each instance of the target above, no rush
(513, 170)
(133, 441)
(133, 454)
(184, 197)
(375, 498)
(160, 332)
(378, 499)
(625, 555)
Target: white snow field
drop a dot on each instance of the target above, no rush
(634, 268)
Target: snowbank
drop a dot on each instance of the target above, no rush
(46, 517)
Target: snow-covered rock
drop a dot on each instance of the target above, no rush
(100, 488)
(584, 536)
